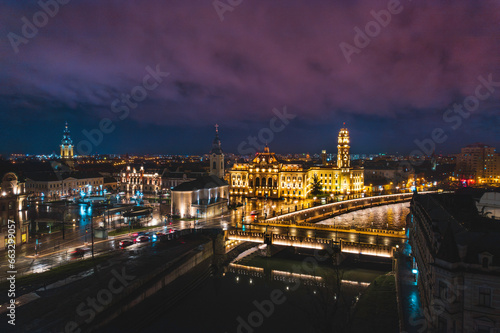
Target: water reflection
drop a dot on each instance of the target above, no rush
(316, 297)
(389, 216)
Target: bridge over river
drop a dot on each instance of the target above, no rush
(374, 231)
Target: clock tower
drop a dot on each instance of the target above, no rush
(343, 157)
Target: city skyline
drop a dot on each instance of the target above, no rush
(246, 148)
(220, 67)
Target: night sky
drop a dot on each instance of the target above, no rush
(263, 55)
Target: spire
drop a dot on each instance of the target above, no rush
(216, 146)
(266, 148)
(66, 140)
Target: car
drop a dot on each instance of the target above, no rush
(79, 252)
(159, 233)
(126, 242)
(142, 239)
(137, 234)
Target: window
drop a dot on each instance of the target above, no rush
(484, 296)
(442, 325)
(443, 290)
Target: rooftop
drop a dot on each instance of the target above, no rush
(204, 182)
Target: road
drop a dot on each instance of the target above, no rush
(53, 250)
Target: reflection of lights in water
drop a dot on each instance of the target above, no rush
(376, 217)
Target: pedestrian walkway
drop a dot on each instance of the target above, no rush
(409, 297)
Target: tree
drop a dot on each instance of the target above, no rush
(317, 188)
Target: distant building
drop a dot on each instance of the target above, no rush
(217, 156)
(478, 163)
(66, 144)
(386, 176)
(457, 260)
(171, 179)
(205, 196)
(133, 180)
(110, 184)
(266, 176)
(54, 185)
(13, 211)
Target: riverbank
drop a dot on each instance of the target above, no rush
(377, 309)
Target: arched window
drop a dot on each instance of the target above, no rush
(257, 182)
(270, 182)
(263, 181)
(213, 166)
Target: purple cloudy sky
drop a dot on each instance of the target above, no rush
(263, 55)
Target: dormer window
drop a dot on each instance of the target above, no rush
(485, 259)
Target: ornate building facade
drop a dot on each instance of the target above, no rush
(66, 144)
(265, 176)
(133, 180)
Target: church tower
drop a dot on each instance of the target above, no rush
(343, 157)
(216, 156)
(66, 144)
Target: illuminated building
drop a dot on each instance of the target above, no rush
(54, 185)
(478, 163)
(133, 181)
(13, 208)
(265, 176)
(205, 196)
(217, 156)
(66, 144)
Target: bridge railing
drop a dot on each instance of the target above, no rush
(399, 233)
(345, 206)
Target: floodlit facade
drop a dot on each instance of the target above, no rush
(205, 196)
(265, 176)
(133, 181)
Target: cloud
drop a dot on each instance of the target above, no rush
(263, 55)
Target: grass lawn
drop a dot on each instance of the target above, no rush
(377, 309)
(123, 231)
